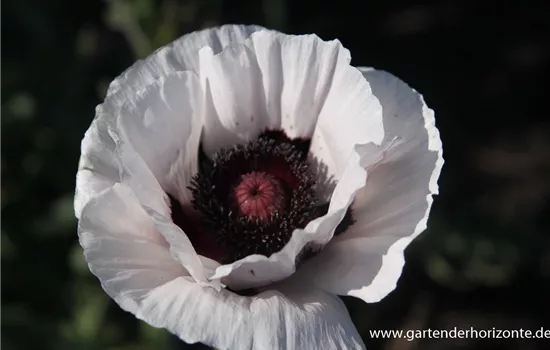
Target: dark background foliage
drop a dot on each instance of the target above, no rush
(482, 66)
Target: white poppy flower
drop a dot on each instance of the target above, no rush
(237, 180)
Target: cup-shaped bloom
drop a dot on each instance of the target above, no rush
(236, 181)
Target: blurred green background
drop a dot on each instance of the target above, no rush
(485, 260)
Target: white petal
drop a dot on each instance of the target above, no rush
(366, 261)
(235, 111)
(123, 249)
(180, 55)
(98, 165)
(258, 270)
(351, 116)
(135, 174)
(106, 159)
(298, 72)
(271, 80)
(288, 318)
(97, 147)
(182, 249)
(163, 123)
(88, 185)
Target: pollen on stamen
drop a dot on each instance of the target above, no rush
(251, 197)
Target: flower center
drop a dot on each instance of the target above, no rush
(259, 195)
(250, 198)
